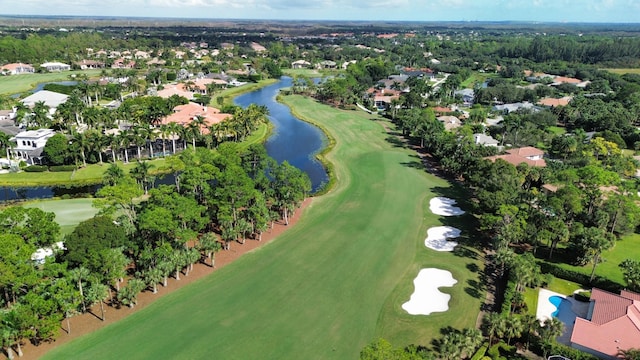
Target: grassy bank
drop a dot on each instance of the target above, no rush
(21, 83)
(327, 286)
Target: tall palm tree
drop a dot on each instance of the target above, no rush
(165, 132)
(81, 142)
(141, 173)
(177, 131)
(124, 141)
(79, 275)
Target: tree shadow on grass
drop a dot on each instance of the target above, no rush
(395, 141)
(413, 164)
(475, 289)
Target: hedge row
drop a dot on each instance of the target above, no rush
(62, 168)
(35, 168)
(583, 279)
(555, 348)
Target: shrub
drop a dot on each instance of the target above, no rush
(583, 296)
(479, 355)
(35, 168)
(571, 275)
(62, 168)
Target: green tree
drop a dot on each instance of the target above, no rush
(631, 271)
(57, 149)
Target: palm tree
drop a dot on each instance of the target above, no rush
(210, 245)
(549, 330)
(5, 143)
(81, 142)
(165, 132)
(141, 173)
(124, 140)
(152, 277)
(191, 257)
(79, 274)
(96, 293)
(113, 174)
(176, 131)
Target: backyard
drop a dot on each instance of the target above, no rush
(21, 83)
(327, 286)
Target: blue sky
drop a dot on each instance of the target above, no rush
(405, 10)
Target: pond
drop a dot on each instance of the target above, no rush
(41, 86)
(292, 140)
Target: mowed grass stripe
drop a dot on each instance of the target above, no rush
(316, 292)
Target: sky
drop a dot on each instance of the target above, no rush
(373, 10)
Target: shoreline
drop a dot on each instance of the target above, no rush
(90, 322)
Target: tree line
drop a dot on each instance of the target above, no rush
(136, 243)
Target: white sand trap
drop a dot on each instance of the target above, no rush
(426, 298)
(437, 238)
(444, 206)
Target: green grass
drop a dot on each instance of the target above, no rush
(69, 212)
(476, 77)
(558, 285)
(624, 71)
(531, 299)
(21, 83)
(628, 247)
(557, 130)
(302, 72)
(327, 286)
(91, 174)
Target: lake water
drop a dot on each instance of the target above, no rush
(292, 140)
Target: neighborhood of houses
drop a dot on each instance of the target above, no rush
(612, 321)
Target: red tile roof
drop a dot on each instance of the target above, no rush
(567, 80)
(527, 151)
(614, 325)
(185, 114)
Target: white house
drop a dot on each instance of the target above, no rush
(56, 66)
(300, 64)
(17, 69)
(50, 98)
(29, 145)
(486, 140)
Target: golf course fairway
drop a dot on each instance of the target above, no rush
(327, 286)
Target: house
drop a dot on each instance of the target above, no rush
(186, 114)
(450, 122)
(17, 69)
(29, 145)
(89, 64)
(467, 95)
(346, 64)
(50, 99)
(516, 156)
(553, 102)
(612, 324)
(56, 66)
(300, 64)
(486, 140)
(327, 64)
(123, 63)
(509, 108)
(257, 47)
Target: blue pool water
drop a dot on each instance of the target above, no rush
(563, 310)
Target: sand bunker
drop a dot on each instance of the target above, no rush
(444, 206)
(426, 298)
(437, 238)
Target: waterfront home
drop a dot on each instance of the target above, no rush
(29, 145)
(17, 69)
(612, 324)
(55, 66)
(50, 99)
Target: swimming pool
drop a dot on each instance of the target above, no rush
(563, 311)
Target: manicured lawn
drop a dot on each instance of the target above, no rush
(326, 287)
(558, 285)
(476, 77)
(626, 248)
(624, 71)
(302, 72)
(556, 130)
(69, 212)
(21, 83)
(92, 174)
